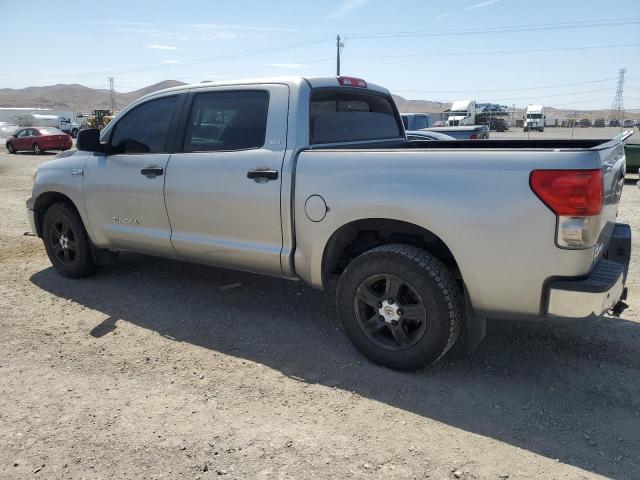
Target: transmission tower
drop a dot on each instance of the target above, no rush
(112, 94)
(617, 106)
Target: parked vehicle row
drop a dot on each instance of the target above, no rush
(314, 179)
(38, 140)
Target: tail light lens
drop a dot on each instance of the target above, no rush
(352, 82)
(576, 197)
(474, 136)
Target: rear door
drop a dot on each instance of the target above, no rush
(123, 190)
(222, 191)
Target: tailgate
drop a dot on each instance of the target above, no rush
(613, 163)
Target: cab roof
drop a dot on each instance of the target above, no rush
(291, 81)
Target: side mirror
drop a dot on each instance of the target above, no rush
(89, 140)
(15, 135)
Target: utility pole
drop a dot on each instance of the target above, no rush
(339, 45)
(112, 94)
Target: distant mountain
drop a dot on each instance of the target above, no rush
(74, 97)
(416, 106)
(84, 99)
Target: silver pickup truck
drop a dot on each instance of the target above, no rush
(313, 179)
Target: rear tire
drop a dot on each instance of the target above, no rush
(74, 133)
(36, 149)
(66, 242)
(400, 306)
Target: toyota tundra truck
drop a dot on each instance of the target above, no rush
(313, 179)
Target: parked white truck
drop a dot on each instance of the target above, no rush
(313, 179)
(534, 118)
(462, 112)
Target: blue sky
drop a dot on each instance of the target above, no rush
(436, 50)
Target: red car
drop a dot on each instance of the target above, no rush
(38, 140)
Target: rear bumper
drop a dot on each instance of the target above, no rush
(601, 289)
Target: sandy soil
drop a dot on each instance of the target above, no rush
(159, 369)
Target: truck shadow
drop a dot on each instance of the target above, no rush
(568, 392)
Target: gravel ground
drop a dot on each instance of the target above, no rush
(160, 369)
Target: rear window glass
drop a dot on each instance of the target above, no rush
(234, 120)
(50, 131)
(342, 116)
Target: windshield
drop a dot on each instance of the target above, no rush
(346, 116)
(458, 113)
(534, 115)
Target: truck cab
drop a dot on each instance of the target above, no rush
(534, 118)
(462, 113)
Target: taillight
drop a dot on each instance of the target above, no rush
(576, 197)
(569, 192)
(474, 136)
(352, 82)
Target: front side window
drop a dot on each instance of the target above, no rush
(234, 120)
(345, 116)
(144, 129)
(23, 133)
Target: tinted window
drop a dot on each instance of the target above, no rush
(23, 133)
(227, 121)
(340, 116)
(421, 122)
(144, 129)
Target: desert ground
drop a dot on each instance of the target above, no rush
(159, 369)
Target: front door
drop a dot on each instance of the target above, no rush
(123, 189)
(222, 190)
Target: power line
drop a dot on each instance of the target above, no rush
(245, 53)
(515, 89)
(496, 52)
(499, 30)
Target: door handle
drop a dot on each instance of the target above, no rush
(262, 175)
(152, 171)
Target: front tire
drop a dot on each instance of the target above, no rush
(400, 306)
(66, 242)
(11, 148)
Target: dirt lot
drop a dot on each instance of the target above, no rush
(155, 369)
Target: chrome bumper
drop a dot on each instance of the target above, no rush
(601, 289)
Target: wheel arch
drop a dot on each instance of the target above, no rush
(359, 236)
(42, 204)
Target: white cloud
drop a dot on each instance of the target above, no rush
(218, 36)
(480, 5)
(236, 26)
(163, 47)
(442, 15)
(288, 65)
(170, 62)
(346, 7)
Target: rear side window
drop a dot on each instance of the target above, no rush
(421, 122)
(144, 129)
(227, 121)
(344, 116)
